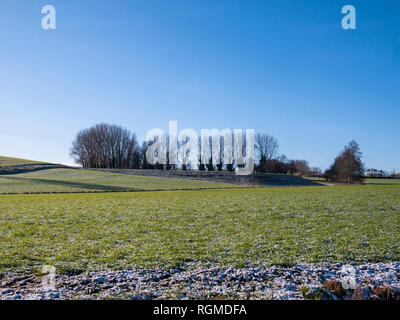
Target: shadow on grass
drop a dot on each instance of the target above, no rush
(383, 184)
(29, 168)
(275, 180)
(79, 185)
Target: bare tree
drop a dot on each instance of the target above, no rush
(106, 146)
(347, 167)
(267, 147)
(302, 167)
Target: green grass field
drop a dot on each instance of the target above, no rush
(74, 180)
(382, 181)
(261, 226)
(10, 162)
(374, 181)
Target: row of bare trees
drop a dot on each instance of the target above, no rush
(270, 161)
(347, 167)
(113, 147)
(376, 173)
(106, 146)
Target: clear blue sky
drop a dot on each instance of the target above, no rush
(281, 67)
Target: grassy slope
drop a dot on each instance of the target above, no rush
(227, 227)
(73, 180)
(10, 162)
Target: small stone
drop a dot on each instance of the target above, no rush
(7, 291)
(99, 280)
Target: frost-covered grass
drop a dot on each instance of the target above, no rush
(261, 226)
(74, 180)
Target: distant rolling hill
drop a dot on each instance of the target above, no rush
(10, 165)
(69, 180)
(27, 176)
(9, 162)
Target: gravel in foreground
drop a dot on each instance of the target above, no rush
(379, 281)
